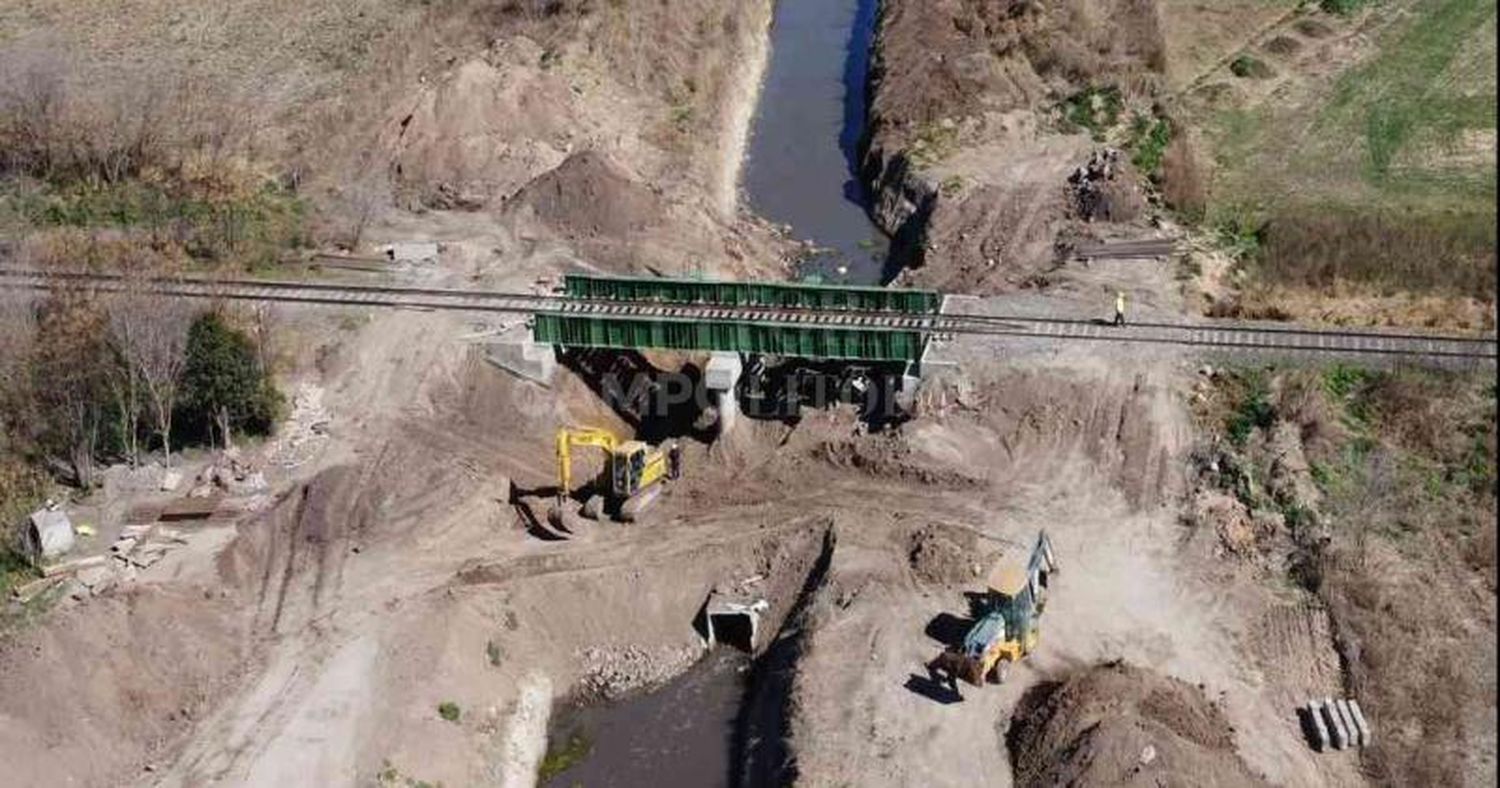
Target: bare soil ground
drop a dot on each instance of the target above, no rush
(397, 121)
(394, 572)
(967, 152)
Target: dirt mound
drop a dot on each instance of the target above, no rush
(836, 438)
(290, 556)
(944, 555)
(589, 196)
(105, 688)
(591, 202)
(484, 132)
(1115, 724)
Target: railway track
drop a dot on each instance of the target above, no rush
(1220, 335)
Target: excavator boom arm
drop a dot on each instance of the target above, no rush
(566, 440)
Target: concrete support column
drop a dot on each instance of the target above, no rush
(722, 377)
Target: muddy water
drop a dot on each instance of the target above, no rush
(680, 734)
(803, 150)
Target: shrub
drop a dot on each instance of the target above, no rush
(1341, 7)
(1149, 140)
(1183, 184)
(1095, 109)
(225, 388)
(1442, 252)
(449, 711)
(1249, 67)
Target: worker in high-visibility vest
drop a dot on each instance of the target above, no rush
(1120, 308)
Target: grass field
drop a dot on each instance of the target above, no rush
(1423, 110)
(1369, 161)
(1412, 124)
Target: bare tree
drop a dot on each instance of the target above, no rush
(69, 365)
(149, 331)
(17, 330)
(125, 387)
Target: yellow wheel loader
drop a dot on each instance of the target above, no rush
(1008, 629)
(633, 476)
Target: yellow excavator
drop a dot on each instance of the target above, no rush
(1009, 628)
(633, 476)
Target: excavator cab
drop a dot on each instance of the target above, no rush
(627, 466)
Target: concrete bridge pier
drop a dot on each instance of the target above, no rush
(722, 377)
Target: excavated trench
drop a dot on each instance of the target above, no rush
(723, 722)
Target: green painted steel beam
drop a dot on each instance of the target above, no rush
(763, 294)
(779, 339)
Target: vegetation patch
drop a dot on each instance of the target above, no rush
(1248, 66)
(449, 711)
(1393, 164)
(933, 143)
(1321, 246)
(1149, 139)
(564, 755)
(1342, 7)
(1383, 481)
(1404, 97)
(1093, 109)
(249, 229)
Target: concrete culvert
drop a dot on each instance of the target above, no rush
(47, 534)
(732, 622)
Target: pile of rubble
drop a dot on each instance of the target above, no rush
(231, 475)
(138, 547)
(610, 672)
(305, 428)
(1086, 186)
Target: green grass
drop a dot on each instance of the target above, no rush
(1384, 177)
(933, 143)
(1342, 7)
(1393, 129)
(564, 755)
(14, 571)
(1249, 67)
(253, 228)
(1148, 143)
(1093, 109)
(1401, 99)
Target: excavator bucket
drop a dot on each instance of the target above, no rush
(563, 521)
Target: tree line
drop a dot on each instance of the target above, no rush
(89, 378)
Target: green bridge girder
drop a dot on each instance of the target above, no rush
(630, 332)
(779, 339)
(761, 294)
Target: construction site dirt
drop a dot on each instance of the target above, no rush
(377, 594)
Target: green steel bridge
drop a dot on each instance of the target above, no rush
(861, 324)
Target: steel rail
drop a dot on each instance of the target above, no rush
(1212, 335)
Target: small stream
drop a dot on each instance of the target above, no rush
(804, 145)
(680, 734)
(721, 723)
